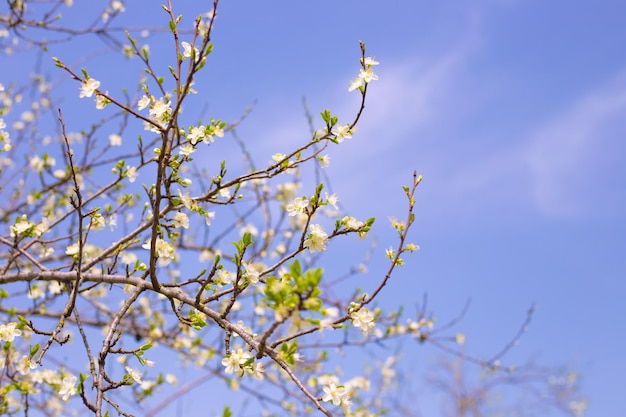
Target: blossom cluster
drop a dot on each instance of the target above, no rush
(241, 363)
(366, 74)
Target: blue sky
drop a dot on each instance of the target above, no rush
(514, 113)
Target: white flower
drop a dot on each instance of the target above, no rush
(181, 220)
(163, 249)
(161, 110)
(129, 258)
(297, 206)
(97, 222)
(188, 50)
(25, 365)
(196, 134)
(36, 292)
(316, 241)
(363, 319)
(143, 102)
(277, 157)
(368, 75)
(256, 370)
(89, 87)
(186, 200)
(55, 287)
(22, 226)
(251, 273)
(337, 395)
(208, 216)
(332, 200)
(68, 387)
(8, 332)
(324, 161)
(115, 140)
(351, 223)
(72, 249)
(356, 83)
(132, 174)
(36, 163)
(134, 374)
(187, 149)
(343, 132)
(117, 6)
(234, 363)
(369, 61)
(101, 101)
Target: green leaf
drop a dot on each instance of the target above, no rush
(34, 349)
(172, 26)
(326, 116)
(227, 412)
(295, 269)
(247, 239)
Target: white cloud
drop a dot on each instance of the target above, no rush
(567, 156)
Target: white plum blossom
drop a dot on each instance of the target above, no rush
(324, 161)
(181, 220)
(163, 248)
(161, 110)
(336, 394)
(25, 365)
(9, 331)
(115, 140)
(332, 200)
(186, 200)
(89, 87)
(235, 362)
(143, 102)
(132, 174)
(72, 249)
(188, 50)
(297, 206)
(277, 157)
(343, 132)
(134, 374)
(363, 319)
(251, 273)
(187, 149)
(366, 75)
(21, 226)
(208, 216)
(316, 241)
(351, 223)
(117, 6)
(68, 387)
(196, 134)
(102, 101)
(369, 61)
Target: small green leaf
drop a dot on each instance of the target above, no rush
(34, 349)
(247, 239)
